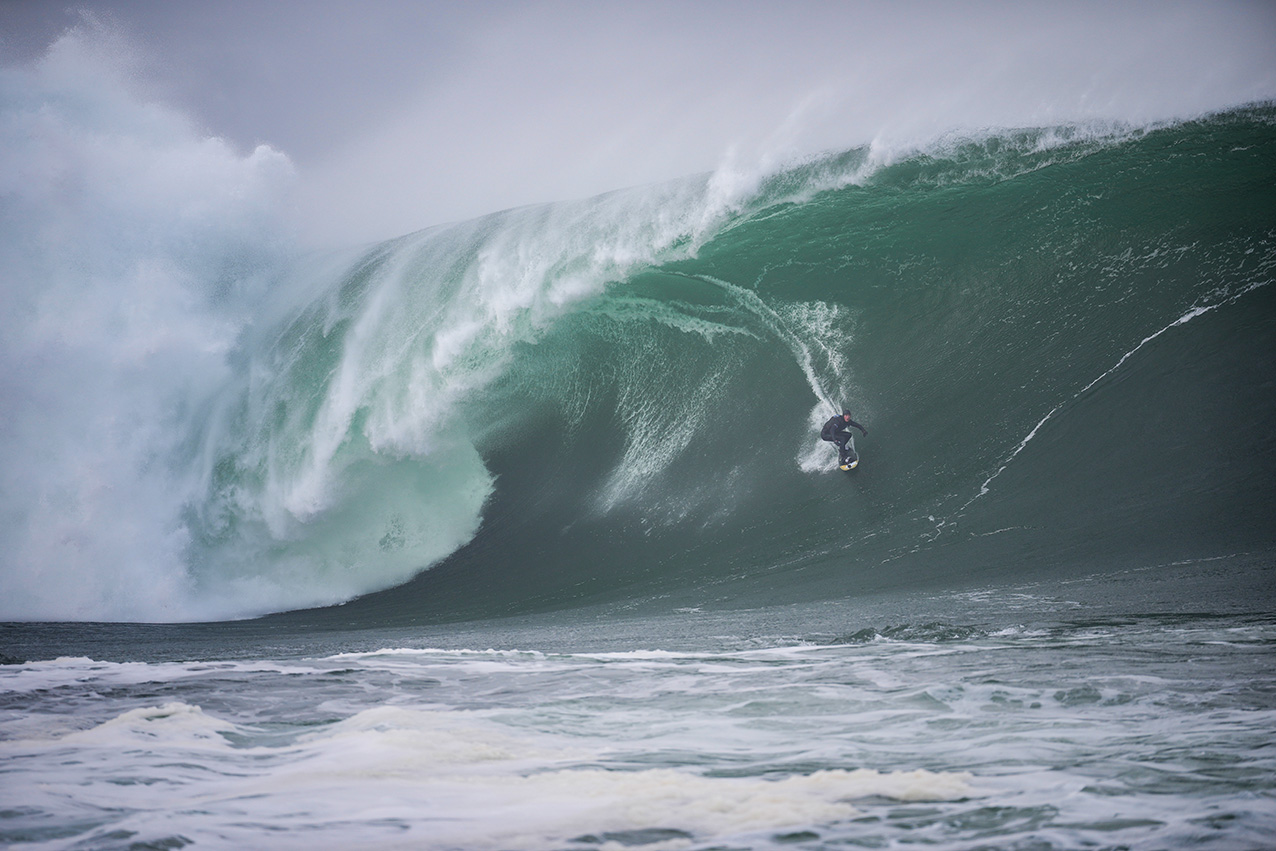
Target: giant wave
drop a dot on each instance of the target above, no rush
(1060, 338)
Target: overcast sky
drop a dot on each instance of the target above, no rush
(399, 115)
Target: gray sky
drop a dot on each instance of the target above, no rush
(399, 115)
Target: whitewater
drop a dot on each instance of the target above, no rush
(516, 532)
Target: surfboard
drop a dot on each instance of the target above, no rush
(849, 459)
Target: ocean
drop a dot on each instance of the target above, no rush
(517, 533)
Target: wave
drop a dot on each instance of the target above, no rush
(620, 397)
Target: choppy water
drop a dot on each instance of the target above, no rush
(1036, 719)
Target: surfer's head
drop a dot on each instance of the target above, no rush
(846, 415)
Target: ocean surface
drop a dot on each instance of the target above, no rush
(517, 533)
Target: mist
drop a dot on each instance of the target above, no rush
(401, 115)
(554, 106)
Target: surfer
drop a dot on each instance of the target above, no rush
(838, 430)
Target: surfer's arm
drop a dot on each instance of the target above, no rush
(863, 430)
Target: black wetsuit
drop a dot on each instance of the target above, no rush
(838, 430)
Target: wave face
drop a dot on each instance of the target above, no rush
(1061, 341)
